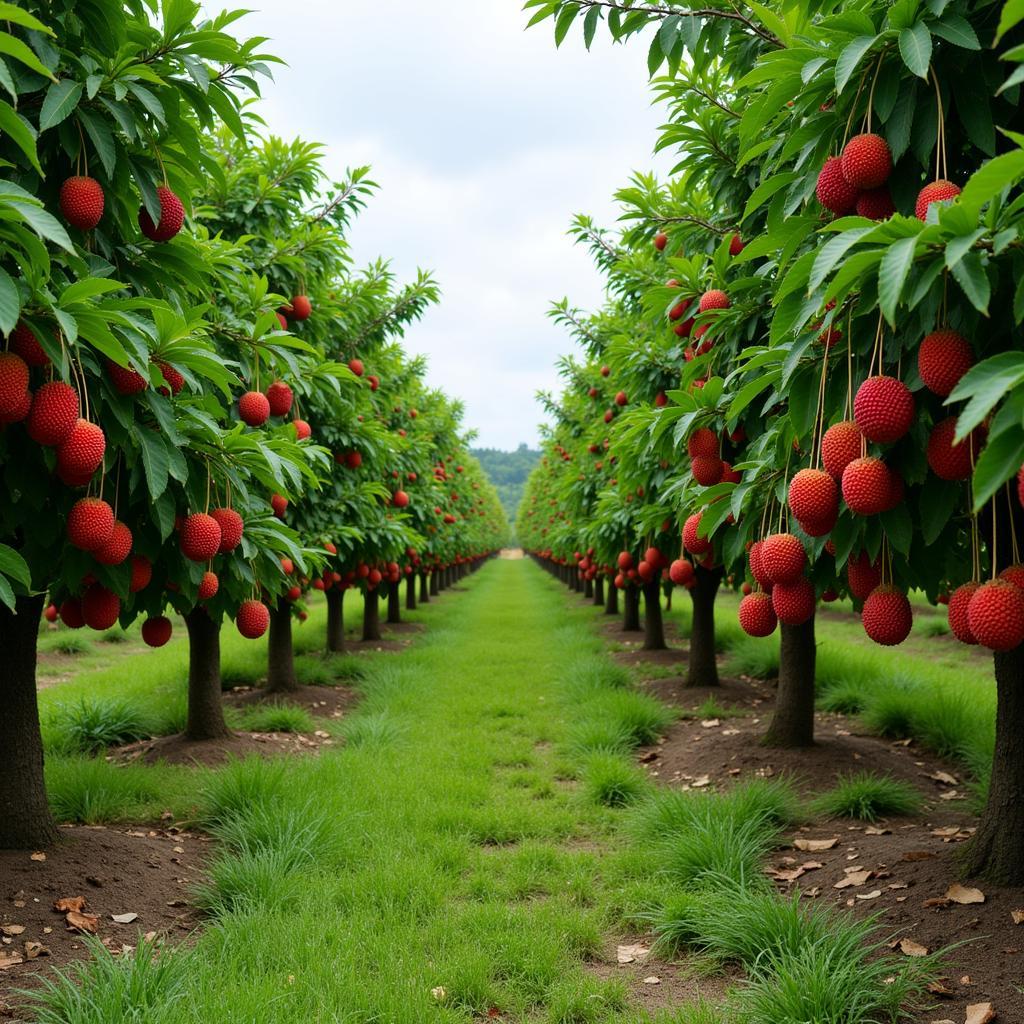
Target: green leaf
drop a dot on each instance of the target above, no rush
(916, 48)
(46, 225)
(970, 275)
(983, 386)
(101, 137)
(1013, 13)
(61, 98)
(7, 593)
(957, 248)
(999, 461)
(155, 461)
(767, 189)
(937, 501)
(14, 566)
(15, 48)
(898, 527)
(86, 288)
(20, 133)
(831, 253)
(564, 22)
(590, 26)
(850, 58)
(991, 178)
(958, 31)
(892, 275)
(10, 303)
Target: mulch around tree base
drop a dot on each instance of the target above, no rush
(213, 753)
(146, 872)
(321, 701)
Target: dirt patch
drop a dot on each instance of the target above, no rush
(138, 871)
(742, 693)
(322, 701)
(212, 753)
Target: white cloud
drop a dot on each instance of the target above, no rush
(485, 140)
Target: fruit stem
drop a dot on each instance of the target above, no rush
(1013, 528)
(874, 82)
(941, 168)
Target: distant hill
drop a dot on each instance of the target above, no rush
(508, 472)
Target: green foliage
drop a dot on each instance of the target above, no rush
(868, 797)
(92, 724)
(508, 472)
(612, 780)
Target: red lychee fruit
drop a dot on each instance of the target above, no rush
(117, 548)
(875, 204)
(374, 383)
(81, 454)
(862, 575)
(172, 216)
(940, 191)
(713, 299)
(253, 619)
(840, 445)
(660, 241)
(353, 460)
(605, 370)
(951, 461)
(280, 398)
(254, 408)
(100, 607)
(736, 245)
(54, 413)
(887, 617)
(71, 613)
(356, 366)
(293, 593)
(883, 408)
(756, 565)
(995, 615)
(1015, 574)
(282, 320)
(173, 377)
(867, 161)
(757, 616)
(156, 632)
(702, 442)
(867, 486)
(834, 192)
(959, 601)
(646, 571)
(142, 573)
(13, 384)
(943, 358)
(24, 343)
(301, 308)
(660, 400)
(288, 566)
(90, 524)
(208, 586)
(794, 602)
(231, 527)
(681, 572)
(200, 537)
(81, 202)
(50, 613)
(302, 429)
(279, 503)
(400, 499)
(621, 398)
(625, 561)
(20, 411)
(783, 558)
(126, 379)
(692, 541)
(707, 469)
(813, 496)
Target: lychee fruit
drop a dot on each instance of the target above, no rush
(24, 343)
(695, 544)
(253, 619)
(81, 454)
(840, 445)
(783, 558)
(660, 241)
(942, 359)
(736, 245)
(13, 384)
(173, 377)
(995, 615)
(199, 537)
(71, 613)
(813, 496)
(356, 366)
(302, 429)
(126, 379)
(834, 192)
(713, 299)
(625, 561)
(951, 461)
(172, 216)
(231, 527)
(301, 308)
(875, 204)
(757, 616)
(254, 408)
(702, 442)
(142, 573)
(707, 469)
(353, 460)
(279, 503)
(887, 617)
(867, 486)
(81, 202)
(157, 631)
(20, 411)
(883, 408)
(862, 575)
(940, 191)
(280, 398)
(208, 586)
(959, 601)
(621, 398)
(1015, 574)
(756, 565)
(400, 499)
(794, 602)
(681, 572)
(90, 523)
(100, 607)
(54, 413)
(50, 613)
(117, 549)
(867, 161)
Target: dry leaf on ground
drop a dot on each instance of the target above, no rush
(652, 980)
(35, 949)
(124, 918)
(980, 1013)
(815, 845)
(631, 953)
(10, 930)
(1018, 916)
(82, 922)
(854, 876)
(75, 903)
(8, 958)
(37, 856)
(964, 894)
(912, 948)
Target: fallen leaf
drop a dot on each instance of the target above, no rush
(815, 845)
(980, 1013)
(630, 954)
(938, 987)
(912, 948)
(788, 875)
(950, 830)
(873, 895)
(945, 777)
(1018, 916)
(75, 903)
(854, 876)
(964, 894)
(438, 993)
(710, 723)
(8, 958)
(936, 901)
(82, 922)
(37, 856)
(651, 755)
(871, 830)
(952, 794)
(35, 949)
(124, 918)
(10, 930)
(912, 855)
(652, 980)
(704, 780)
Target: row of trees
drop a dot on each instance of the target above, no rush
(807, 380)
(204, 406)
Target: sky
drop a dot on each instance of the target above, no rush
(485, 140)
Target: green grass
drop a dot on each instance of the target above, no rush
(276, 718)
(91, 791)
(868, 797)
(612, 780)
(65, 642)
(90, 724)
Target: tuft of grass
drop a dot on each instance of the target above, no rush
(868, 797)
(584, 1000)
(845, 698)
(371, 730)
(712, 709)
(92, 791)
(114, 636)
(935, 627)
(240, 787)
(753, 657)
(612, 780)
(277, 718)
(596, 735)
(65, 642)
(249, 883)
(94, 723)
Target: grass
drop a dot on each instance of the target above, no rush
(89, 725)
(276, 718)
(868, 797)
(65, 642)
(612, 780)
(712, 709)
(91, 791)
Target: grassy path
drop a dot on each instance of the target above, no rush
(437, 868)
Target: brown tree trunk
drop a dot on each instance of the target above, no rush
(280, 653)
(654, 627)
(435, 583)
(598, 591)
(410, 592)
(25, 819)
(668, 598)
(336, 620)
(631, 613)
(611, 604)
(205, 710)
(424, 588)
(997, 849)
(371, 615)
(394, 604)
(702, 667)
(588, 588)
(792, 724)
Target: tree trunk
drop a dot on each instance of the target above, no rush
(598, 591)
(280, 653)
(336, 620)
(424, 588)
(394, 604)
(371, 615)
(654, 627)
(792, 724)
(435, 583)
(631, 614)
(25, 819)
(588, 588)
(702, 668)
(668, 598)
(205, 709)
(410, 592)
(611, 604)
(997, 850)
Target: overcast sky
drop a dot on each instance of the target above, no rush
(485, 140)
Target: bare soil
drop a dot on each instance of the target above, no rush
(321, 701)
